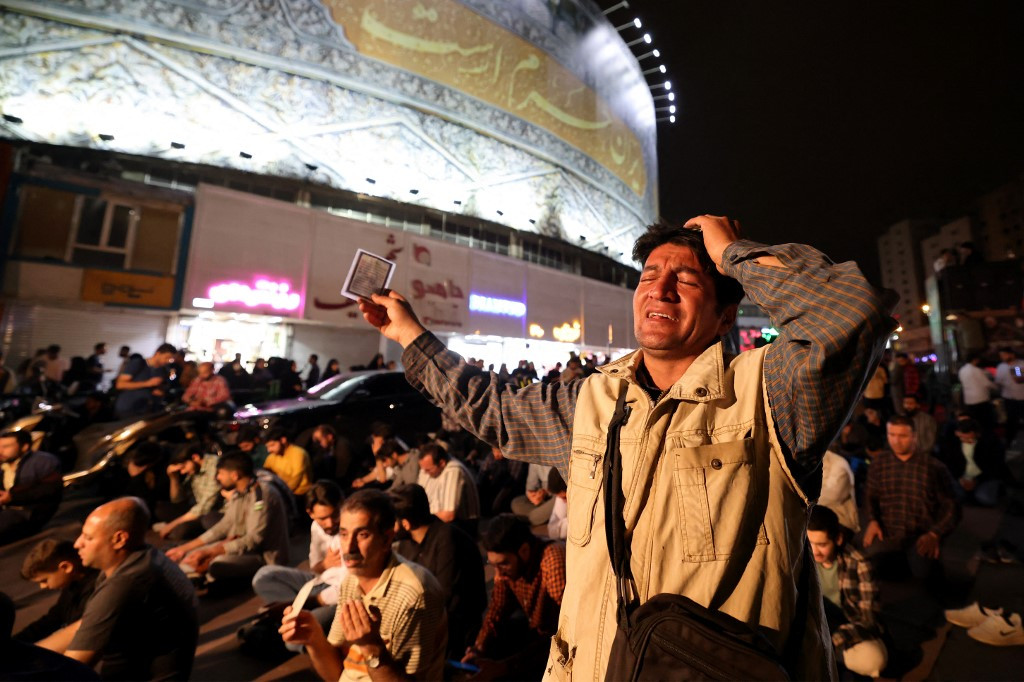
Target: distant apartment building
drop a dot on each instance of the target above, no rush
(949, 236)
(1001, 221)
(903, 271)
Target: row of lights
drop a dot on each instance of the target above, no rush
(668, 109)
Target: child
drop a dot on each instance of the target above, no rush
(55, 565)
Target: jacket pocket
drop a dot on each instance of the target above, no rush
(586, 476)
(714, 488)
(560, 659)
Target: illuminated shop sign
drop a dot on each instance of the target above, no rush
(263, 293)
(496, 306)
(567, 333)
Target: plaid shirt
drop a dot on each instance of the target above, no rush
(910, 498)
(205, 488)
(538, 591)
(858, 596)
(832, 325)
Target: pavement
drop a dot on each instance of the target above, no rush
(925, 646)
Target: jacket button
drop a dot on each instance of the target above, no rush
(701, 392)
(614, 371)
(716, 464)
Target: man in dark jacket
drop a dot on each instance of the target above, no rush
(30, 488)
(977, 460)
(451, 555)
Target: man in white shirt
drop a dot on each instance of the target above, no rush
(978, 389)
(558, 522)
(1011, 388)
(837, 490)
(277, 584)
(450, 488)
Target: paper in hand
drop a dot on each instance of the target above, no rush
(300, 599)
(370, 274)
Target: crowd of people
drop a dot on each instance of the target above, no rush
(401, 533)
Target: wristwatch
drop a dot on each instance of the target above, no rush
(373, 662)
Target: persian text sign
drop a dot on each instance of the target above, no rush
(125, 288)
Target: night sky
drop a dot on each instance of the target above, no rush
(827, 122)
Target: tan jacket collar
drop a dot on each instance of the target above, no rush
(702, 382)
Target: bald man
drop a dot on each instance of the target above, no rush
(207, 391)
(141, 622)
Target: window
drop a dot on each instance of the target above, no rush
(103, 231)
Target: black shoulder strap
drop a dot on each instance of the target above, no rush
(619, 549)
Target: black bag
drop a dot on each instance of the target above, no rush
(671, 637)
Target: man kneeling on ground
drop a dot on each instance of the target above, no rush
(851, 597)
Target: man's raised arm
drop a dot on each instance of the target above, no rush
(532, 423)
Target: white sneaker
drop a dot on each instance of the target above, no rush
(999, 631)
(970, 616)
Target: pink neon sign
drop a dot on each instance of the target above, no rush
(277, 295)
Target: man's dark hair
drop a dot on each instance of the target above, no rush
(247, 433)
(900, 420)
(436, 451)
(824, 519)
(1007, 349)
(24, 437)
(236, 461)
(507, 533)
(390, 447)
(53, 348)
(185, 453)
(903, 355)
(967, 426)
(276, 433)
(165, 348)
(377, 504)
(148, 453)
(555, 483)
(327, 430)
(326, 493)
(314, 357)
(99, 345)
(411, 504)
(46, 557)
(727, 290)
(381, 430)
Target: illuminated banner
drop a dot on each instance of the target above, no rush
(496, 306)
(449, 43)
(262, 294)
(123, 288)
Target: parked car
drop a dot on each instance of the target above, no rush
(349, 402)
(103, 446)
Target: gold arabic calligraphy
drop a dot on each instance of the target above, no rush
(491, 63)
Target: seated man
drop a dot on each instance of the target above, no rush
(253, 532)
(22, 661)
(837, 489)
(851, 604)
(407, 464)
(978, 462)
(207, 390)
(450, 487)
(30, 489)
(450, 555)
(910, 506)
(141, 621)
(329, 454)
(57, 566)
(282, 583)
(199, 494)
(289, 461)
(530, 575)
(405, 605)
(535, 506)
(558, 522)
(925, 426)
(385, 461)
(250, 442)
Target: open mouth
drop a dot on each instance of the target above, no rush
(662, 316)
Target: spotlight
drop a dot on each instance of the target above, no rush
(652, 53)
(645, 39)
(656, 69)
(618, 5)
